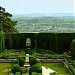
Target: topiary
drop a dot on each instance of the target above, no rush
(8, 55)
(4, 56)
(35, 68)
(25, 70)
(33, 61)
(72, 49)
(16, 68)
(15, 62)
(21, 61)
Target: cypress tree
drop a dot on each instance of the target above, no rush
(72, 49)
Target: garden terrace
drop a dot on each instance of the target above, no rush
(48, 47)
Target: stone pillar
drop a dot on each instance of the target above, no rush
(27, 58)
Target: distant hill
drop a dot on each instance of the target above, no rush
(45, 24)
(45, 14)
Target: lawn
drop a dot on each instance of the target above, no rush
(4, 67)
(58, 67)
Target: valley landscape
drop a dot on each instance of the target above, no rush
(45, 23)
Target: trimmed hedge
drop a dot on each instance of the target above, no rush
(43, 51)
(33, 61)
(29, 51)
(43, 56)
(16, 68)
(15, 62)
(21, 61)
(35, 68)
(4, 56)
(72, 49)
(72, 68)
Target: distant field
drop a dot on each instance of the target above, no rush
(45, 24)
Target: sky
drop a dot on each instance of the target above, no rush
(38, 6)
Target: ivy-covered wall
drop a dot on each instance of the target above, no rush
(58, 42)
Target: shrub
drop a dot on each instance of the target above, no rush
(72, 49)
(47, 56)
(22, 52)
(4, 56)
(21, 61)
(35, 68)
(72, 69)
(0, 56)
(15, 62)
(8, 55)
(29, 51)
(16, 68)
(42, 51)
(24, 70)
(17, 73)
(33, 61)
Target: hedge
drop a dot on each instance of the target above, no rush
(16, 68)
(21, 61)
(72, 49)
(35, 68)
(33, 61)
(72, 68)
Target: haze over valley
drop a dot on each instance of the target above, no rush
(45, 23)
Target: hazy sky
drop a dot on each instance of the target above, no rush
(38, 6)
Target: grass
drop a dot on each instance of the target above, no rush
(58, 67)
(3, 67)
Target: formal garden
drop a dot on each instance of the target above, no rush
(15, 62)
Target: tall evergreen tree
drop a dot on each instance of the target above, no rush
(6, 24)
(72, 49)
